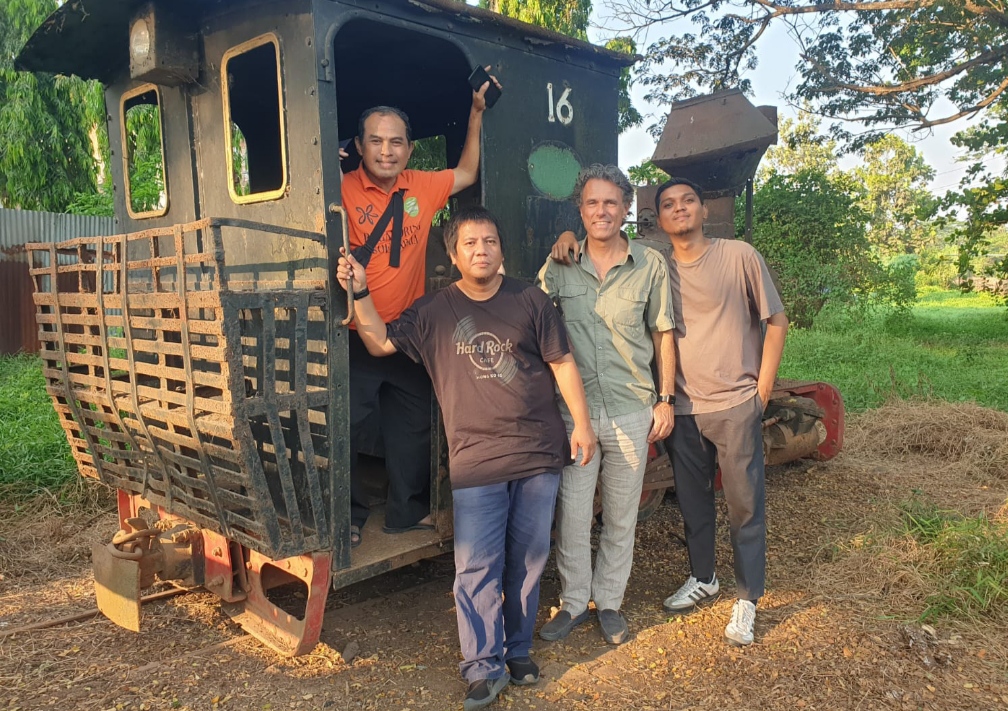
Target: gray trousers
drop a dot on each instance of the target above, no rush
(618, 469)
(732, 438)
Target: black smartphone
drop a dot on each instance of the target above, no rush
(478, 78)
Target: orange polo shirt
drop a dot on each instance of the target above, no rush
(394, 289)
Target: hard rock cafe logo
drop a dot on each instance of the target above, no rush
(492, 357)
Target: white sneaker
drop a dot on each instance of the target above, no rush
(740, 630)
(692, 592)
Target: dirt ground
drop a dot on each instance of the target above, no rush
(838, 628)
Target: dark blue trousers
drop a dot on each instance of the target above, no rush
(733, 439)
(502, 541)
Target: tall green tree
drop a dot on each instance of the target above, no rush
(894, 178)
(879, 63)
(983, 193)
(647, 173)
(811, 230)
(801, 147)
(50, 126)
(568, 17)
(891, 181)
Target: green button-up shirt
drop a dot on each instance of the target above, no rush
(610, 323)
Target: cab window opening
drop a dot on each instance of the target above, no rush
(256, 150)
(143, 153)
(425, 76)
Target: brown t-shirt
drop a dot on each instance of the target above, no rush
(488, 363)
(720, 300)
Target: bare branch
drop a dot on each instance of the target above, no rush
(907, 86)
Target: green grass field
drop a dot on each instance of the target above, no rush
(951, 347)
(34, 454)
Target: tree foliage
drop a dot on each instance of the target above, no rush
(894, 178)
(891, 182)
(570, 17)
(878, 62)
(801, 147)
(812, 232)
(871, 65)
(50, 126)
(983, 193)
(145, 158)
(628, 115)
(647, 173)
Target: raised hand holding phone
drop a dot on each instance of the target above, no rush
(478, 78)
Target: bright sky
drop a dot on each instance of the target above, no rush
(776, 68)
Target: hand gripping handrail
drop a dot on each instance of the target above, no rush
(338, 209)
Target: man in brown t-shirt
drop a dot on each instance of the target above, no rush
(494, 346)
(725, 372)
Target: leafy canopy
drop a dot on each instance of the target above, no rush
(51, 127)
(811, 230)
(871, 65)
(881, 63)
(570, 17)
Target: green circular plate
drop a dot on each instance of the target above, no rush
(553, 169)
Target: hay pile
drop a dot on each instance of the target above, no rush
(973, 438)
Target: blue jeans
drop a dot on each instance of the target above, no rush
(502, 541)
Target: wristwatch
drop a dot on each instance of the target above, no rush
(358, 295)
(670, 399)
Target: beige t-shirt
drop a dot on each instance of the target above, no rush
(719, 301)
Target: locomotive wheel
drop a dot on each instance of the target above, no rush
(649, 503)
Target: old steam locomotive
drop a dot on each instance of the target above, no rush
(198, 360)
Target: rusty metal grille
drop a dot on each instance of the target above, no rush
(207, 401)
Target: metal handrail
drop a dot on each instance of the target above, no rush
(338, 209)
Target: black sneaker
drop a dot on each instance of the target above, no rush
(523, 671)
(483, 692)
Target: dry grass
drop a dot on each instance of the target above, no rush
(41, 538)
(948, 461)
(971, 438)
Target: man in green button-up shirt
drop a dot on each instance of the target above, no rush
(616, 301)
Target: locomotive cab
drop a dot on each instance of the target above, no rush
(198, 359)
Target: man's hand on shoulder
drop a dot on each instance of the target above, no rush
(565, 244)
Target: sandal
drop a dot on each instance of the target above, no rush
(355, 536)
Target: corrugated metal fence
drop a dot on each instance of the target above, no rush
(18, 331)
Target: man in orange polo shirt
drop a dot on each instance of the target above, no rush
(390, 211)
